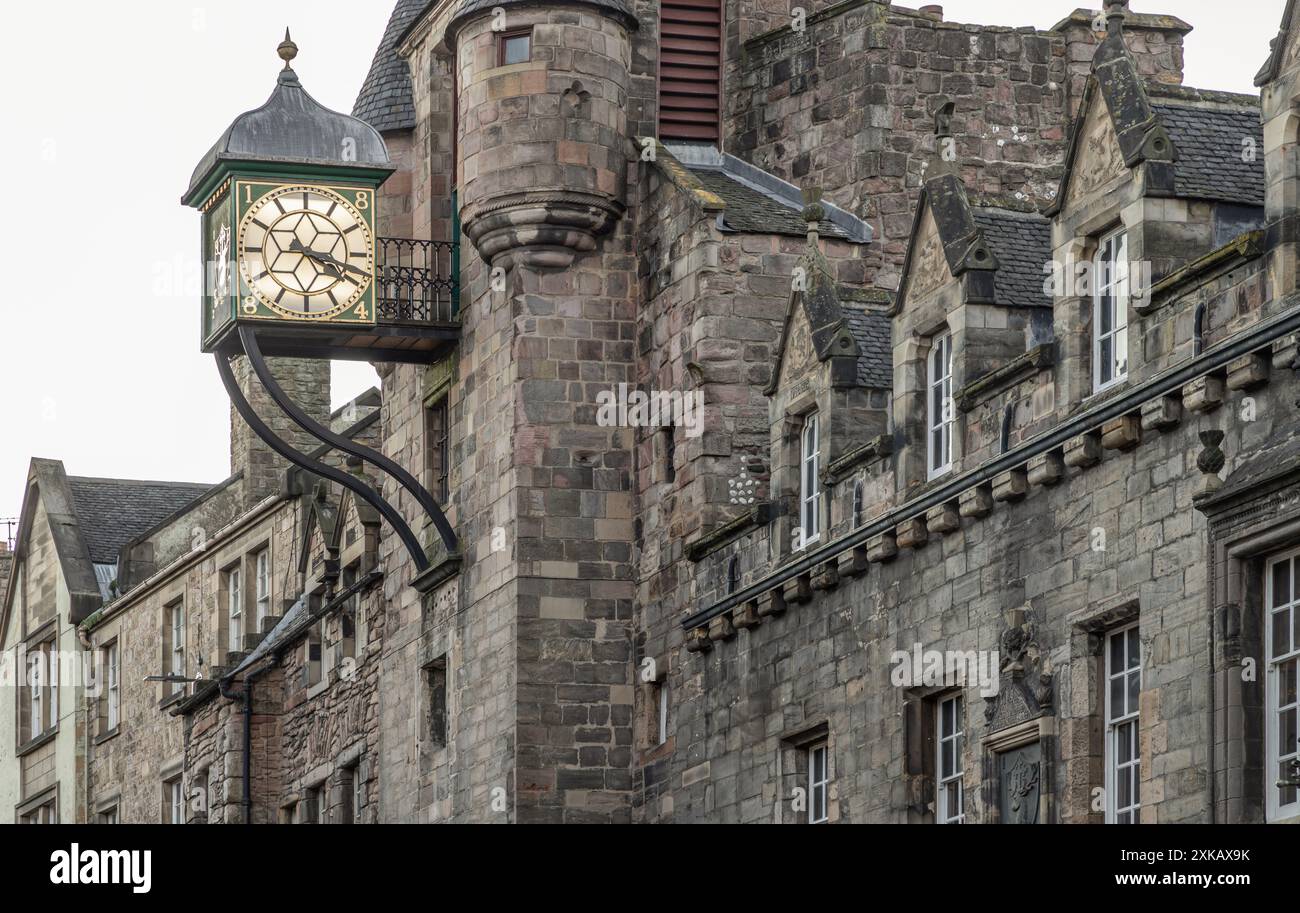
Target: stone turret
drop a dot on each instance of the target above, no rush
(544, 142)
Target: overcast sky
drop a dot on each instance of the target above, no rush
(107, 109)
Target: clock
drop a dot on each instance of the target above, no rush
(305, 251)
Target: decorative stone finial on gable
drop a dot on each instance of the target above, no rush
(813, 211)
(1116, 11)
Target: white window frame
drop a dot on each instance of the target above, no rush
(37, 675)
(177, 623)
(355, 775)
(1123, 723)
(175, 801)
(112, 714)
(809, 469)
(663, 713)
(938, 380)
(819, 787)
(235, 608)
(52, 682)
(262, 564)
(944, 737)
(1110, 274)
(1275, 810)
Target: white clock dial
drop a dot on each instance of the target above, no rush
(306, 252)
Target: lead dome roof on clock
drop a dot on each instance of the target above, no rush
(293, 127)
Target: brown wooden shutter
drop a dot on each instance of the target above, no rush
(690, 69)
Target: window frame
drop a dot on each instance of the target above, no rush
(940, 344)
(819, 786)
(1107, 277)
(1274, 809)
(174, 800)
(809, 501)
(261, 587)
(505, 37)
(176, 626)
(438, 448)
(234, 608)
(942, 814)
(1114, 724)
(112, 688)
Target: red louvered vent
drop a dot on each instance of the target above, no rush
(690, 69)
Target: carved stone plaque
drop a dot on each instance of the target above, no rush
(1020, 784)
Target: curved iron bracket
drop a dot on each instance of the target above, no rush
(248, 338)
(324, 470)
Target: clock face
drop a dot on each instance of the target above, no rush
(306, 252)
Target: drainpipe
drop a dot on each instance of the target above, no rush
(246, 694)
(84, 638)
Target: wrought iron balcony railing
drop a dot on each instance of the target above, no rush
(419, 281)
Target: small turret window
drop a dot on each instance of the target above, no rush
(514, 47)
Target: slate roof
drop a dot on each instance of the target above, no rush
(1022, 243)
(751, 210)
(871, 330)
(385, 101)
(112, 512)
(1208, 142)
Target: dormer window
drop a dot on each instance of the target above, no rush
(809, 484)
(939, 410)
(1110, 312)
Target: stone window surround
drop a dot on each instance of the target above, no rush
(170, 692)
(1089, 628)
(48, 796)
(651, 690)
(1078, 346)
(46, 634)
(913, 421)
(106, 803)
(1238, 620)
(173, 773)
(786, 482)
(102, 731)
(792, 768)
(920, 736)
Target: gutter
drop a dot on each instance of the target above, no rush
(1169, 381)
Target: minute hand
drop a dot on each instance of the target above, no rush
(297, 247)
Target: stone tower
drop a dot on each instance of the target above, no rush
(548, 325)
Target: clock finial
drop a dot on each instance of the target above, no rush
(287, 50)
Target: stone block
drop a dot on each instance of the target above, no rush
(1248, 371)
(912, 533)
(1011, 485)
(882, 548)
(853, 563)
(976, 502)
(721, 628)
(1122, 433)
(771, 603)
(1162, 413)
(746, 616)
(826, 577)
(798, 590)
(943, 519)
(1205, 394)
(1084, 450)
(697, 640)
(1046, 468)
